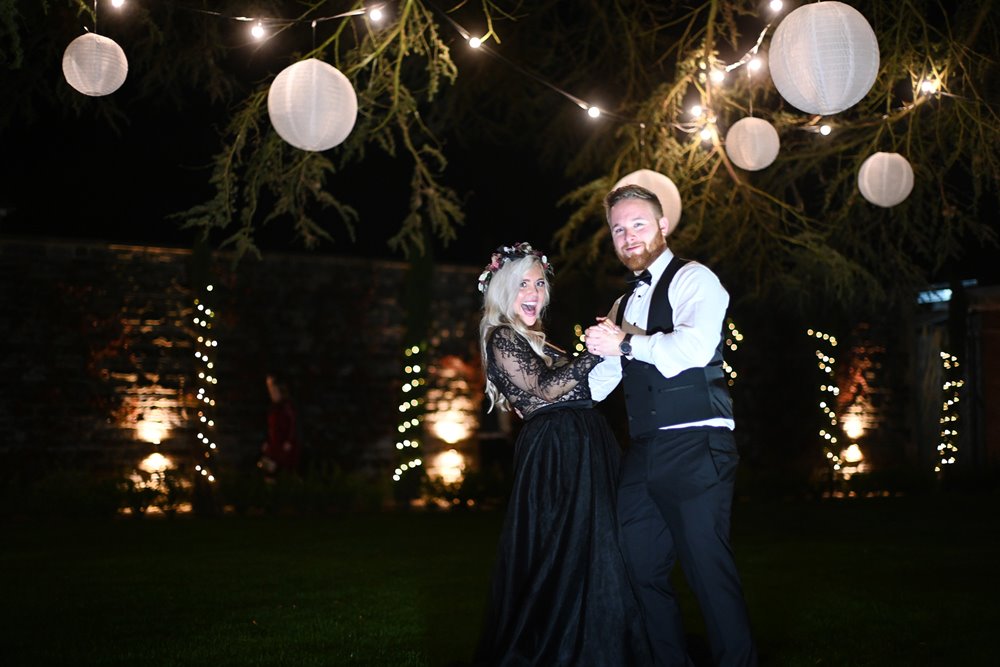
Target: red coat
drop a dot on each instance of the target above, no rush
(282, 438)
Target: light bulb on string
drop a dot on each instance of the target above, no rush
(776, 5)
(706, 134)
(475, 42)
(593, 112)
(825, 130)
(696, 110)
(376, 14)
(718, 75)
(930, 86)
(257, 31)
(755, 64)
(117, 4)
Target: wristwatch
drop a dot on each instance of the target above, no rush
(626, 345)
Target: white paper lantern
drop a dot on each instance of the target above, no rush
(752, 143)
(885, 179)
(94, 65)
(823, 57)
(312, 105)
(662, 187)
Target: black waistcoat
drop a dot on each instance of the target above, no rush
(654, 401)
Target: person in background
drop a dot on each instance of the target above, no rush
(560, 593)
(663, 340)
(281, 451)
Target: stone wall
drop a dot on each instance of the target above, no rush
(100, 340)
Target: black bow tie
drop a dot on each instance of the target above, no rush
(635, 280)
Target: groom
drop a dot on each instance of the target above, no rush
(663, 339)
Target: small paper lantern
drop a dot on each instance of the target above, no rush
(823, 57)
(885, 179)
(752, 143)
(662, 187)
(312, 105)
(94, 65)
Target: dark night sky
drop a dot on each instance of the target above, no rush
(74, 177)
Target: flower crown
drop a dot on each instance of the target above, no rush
(508, 253)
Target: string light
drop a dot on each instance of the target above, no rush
(696, 110)
(951, 395)
(376, 14)
(412, 407)
(475, 42)
(593, 112)
(755, 64)
(776, 5)
(825, 130)
(733, 339)
(826, 364)
(206, 403)
(257, 31)
(117, 4)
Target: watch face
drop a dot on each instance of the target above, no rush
(625, 347)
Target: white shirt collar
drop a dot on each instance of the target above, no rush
(659, 265)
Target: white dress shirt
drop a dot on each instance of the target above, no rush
(699, 304)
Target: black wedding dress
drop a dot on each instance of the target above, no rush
(560, 594)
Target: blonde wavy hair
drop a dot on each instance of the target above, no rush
(498, 311)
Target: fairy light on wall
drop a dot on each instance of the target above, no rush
(411, 409)
(205, 355)
(829, 392)
(947, 449)
(733, 340)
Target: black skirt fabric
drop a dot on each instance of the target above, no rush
(560, 593)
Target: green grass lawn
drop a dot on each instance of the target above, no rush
(902, 581)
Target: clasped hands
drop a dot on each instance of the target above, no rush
(604, 338)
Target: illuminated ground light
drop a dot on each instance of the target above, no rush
(448, 466)
(951, 395)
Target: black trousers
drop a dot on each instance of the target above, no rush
(674, 503)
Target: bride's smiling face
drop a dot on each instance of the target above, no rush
(532, 295)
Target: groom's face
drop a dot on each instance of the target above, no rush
(637, 234)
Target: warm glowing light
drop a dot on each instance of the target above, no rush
(706, 134)
(451, 427)
(696, 110)
(593, 112)
(449, 466)
(825, 130)
(930, 86)
(151, 431)
(776, 5)
(852, 454)
(156, 463)
(376, 14)
(853, 426)
(755, 64)
(257, 30)
(117, 3)
(475, 42)
(718, 75)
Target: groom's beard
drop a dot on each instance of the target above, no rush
(642, 260)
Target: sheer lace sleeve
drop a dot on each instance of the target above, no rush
(528, 383)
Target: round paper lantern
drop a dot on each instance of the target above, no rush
(662, 187)
(94, 65)
(823, 57)
(312, 105)
(885, 179)
(752, 143)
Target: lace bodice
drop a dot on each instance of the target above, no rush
(522, 376)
